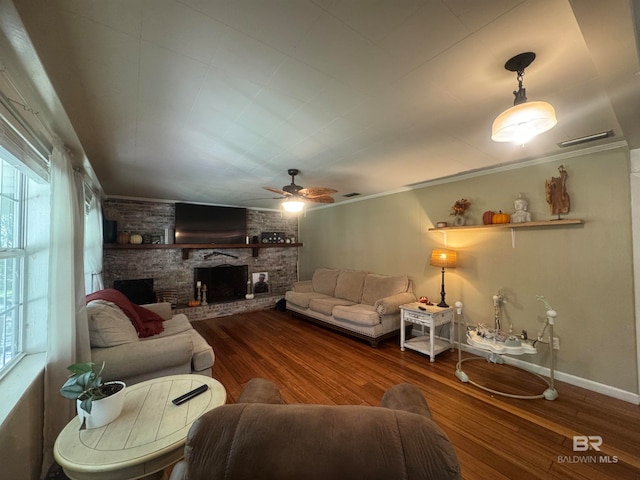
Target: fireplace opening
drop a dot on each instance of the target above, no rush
(139, 291)
(224, 282)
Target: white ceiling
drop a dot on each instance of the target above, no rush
(208, 101)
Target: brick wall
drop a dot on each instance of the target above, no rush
(170, 271)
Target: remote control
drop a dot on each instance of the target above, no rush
(189, 395)
(422, 308)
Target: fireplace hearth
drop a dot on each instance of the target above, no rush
(224, 282)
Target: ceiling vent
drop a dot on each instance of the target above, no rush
(588, 138)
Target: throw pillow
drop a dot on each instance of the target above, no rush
(146, 322)
(108, 325)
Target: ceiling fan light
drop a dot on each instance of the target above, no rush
(521, 123)
(293, 205)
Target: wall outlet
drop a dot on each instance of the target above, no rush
(556, 343)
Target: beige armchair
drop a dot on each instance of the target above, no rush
(114, 340)
(259, 438)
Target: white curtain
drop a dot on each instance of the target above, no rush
(68, 331)
(93, 247)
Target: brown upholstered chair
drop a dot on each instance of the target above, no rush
(260, 438)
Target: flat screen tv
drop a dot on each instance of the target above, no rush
(210, 224)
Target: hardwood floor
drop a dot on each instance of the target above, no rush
(495, 437)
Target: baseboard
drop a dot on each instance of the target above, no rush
(562, 376)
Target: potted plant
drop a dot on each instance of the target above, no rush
(97, 403)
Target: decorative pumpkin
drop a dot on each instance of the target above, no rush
(500, 217)
(194, 303)
(123, 238)
(487, 217)
(135, 239)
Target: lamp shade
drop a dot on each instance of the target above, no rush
(522, 122)
(293, 205)
(442, 257)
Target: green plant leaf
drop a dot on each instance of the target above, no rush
(80, 368)
(86, 404)
(84, 384)
(71, 390)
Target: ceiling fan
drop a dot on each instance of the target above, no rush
(296, 192)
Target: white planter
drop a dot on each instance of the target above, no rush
(103, 411)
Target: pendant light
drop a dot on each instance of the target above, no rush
(524, 120)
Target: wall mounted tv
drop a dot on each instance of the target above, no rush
(210, 224)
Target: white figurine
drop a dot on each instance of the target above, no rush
(521, 214)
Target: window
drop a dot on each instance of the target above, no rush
(24, 248)
(12, 253)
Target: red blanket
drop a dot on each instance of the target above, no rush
(146, 322)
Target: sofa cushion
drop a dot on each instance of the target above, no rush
(203, 357)
(377, 287)
(324, 280)
(360, 314)
(108, 325)
(349, 285)
(179, 323)
(325, 305)
(163, 309)
(302, 299)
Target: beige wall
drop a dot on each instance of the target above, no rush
(21, 435)
(585, 271)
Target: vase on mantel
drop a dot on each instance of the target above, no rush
(459, 221)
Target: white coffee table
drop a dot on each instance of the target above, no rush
(147, 437)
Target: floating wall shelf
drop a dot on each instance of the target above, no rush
(512, 227)
(547, 223)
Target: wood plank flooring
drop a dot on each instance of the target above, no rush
(495, 437)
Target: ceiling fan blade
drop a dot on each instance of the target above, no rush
(265, 198)
(320, 199)
(277, 190)
(313, 192)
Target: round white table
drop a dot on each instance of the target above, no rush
(147, 437)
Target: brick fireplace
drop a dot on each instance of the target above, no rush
(222, 283)
(171, 272)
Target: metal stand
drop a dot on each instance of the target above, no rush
(549, 393)
(442, 303)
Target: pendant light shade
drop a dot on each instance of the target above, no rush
(521, 123)
(293, 205)
(524, 120)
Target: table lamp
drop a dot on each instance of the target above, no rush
(441, 257)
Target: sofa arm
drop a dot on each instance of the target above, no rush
(304, 286)
(163, 309)
(145, 356)
(407, 397)
(391, 304)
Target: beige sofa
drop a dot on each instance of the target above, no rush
(114, 340)
(362, 304)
